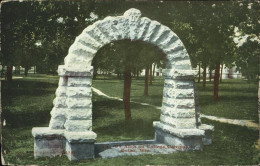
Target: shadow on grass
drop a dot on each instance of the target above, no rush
(27, 87)
(26, 118)
(136, 129)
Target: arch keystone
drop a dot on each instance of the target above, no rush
(133, 14)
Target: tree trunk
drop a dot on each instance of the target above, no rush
(19, 70)
(137, 74)
(34, 70)
(151, 74)
(216, 81)
(153, 70)
(146, 81)
(15, 70)
(95, 73)
(9, 73)
(220, 78)
(26, 71)
(199, 74)
(210, 75)
(127, 90)
(204, 76)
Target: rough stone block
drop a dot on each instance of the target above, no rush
(180, 144)
(180, 123)
(78, 125)
(63, 81)
(77, 71)
(80, 145)
(178, 84)
(87, 40)
(58, 118)
(48, 142)
(207, 139)
(179, 74)
(60, 102)
(61, 91)
(80, 151)
(79, 137)
(79, 82)
(58, 112)
(79, 114)
(79, 102)
(79, 92)
(179, 103)
(151, 31)
(178, 93)
(179, 55)
(57, 123)
(178, 113)
(182, 133)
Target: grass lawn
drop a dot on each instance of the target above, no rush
(27, 103)
(237, 98)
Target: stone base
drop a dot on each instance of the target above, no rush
(79, 151)
(184, 139)
(80, 145)
(207, 139)
(50, 143)
(178, 143)
(47, 142)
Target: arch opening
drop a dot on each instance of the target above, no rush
(114, 57)
(70, 128)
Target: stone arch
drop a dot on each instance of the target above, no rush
(71, 116)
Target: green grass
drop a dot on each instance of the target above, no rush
(237, 98)
(27, 103)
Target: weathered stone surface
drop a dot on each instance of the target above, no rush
(79, 102)
(79, 114)
(178, 84)
(79, 82)
(179, 103)
(48, 146)
(61, 91)
(78, 125)
(60, 102)
(182, 133)
(178, 56)
(63, 81)
(183, 64)
(184, 144)
(77, 137)
(80, 72)
(80, 151)
(58, 118)
(178, 93)
(57, 123)
(79, 92)
(207, 138)
(46, 131)
(58, 112)
(134, 150)
(178, 113)
(179, 74)
(180, 123)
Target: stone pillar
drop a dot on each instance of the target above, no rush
(178, 125)
(69, 130)
(58, 113)
(78, 126)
